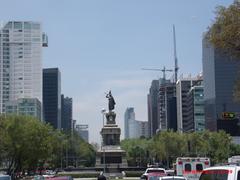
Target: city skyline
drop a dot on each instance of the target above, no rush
(100, 46)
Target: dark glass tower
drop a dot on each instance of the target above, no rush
(52, 97)
(66, 113)
(153, 108)
(220, 73)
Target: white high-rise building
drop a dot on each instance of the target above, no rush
(21, 45)
(134, 128)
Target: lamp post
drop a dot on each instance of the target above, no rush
(103, 111)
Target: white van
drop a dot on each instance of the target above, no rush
(191, 167)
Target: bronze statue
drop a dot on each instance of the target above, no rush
(111, 102)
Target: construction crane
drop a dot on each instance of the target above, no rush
(176, 68)
(164, 70)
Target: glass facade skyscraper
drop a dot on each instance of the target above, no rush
(153, 107)
(220, 73)
(52, 96)
(21, 45)
(128, 116)
(66, 113)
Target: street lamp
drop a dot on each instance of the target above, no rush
(103, 111)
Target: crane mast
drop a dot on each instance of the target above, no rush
(175, 55)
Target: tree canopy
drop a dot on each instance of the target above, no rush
(224, 33)
(166, 146)
(27, 144)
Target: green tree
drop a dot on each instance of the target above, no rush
(234, 149)
(219, 143)
(197, 145)
(26, 142)
(225, 31)
(138, 153)
(80, 153)
(224, 34)
(168, 145)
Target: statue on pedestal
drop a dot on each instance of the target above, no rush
(116, 157)
(111, 102)
(111, 115)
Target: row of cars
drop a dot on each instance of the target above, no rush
(187, 168)
(220, 172)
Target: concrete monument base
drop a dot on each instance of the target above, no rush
(111, 158)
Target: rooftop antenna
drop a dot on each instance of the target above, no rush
(175, 55)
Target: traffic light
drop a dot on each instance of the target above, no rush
(228, 115)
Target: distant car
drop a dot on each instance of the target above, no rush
(172, 178)
(155, 175)
(153, 170)
(170, 172)
(5, 177)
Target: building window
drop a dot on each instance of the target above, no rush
(17, 25)
(27, 25)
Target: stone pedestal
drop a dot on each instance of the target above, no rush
(111, 158)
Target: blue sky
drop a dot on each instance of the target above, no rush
(100, 45)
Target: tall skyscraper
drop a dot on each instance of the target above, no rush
(132, 127)
(52, 96)
(153, 108)
(128, 116)
(183, 86)
(220, 72)
(67, 121)
(21, 45)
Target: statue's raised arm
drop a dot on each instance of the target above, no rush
(111, 102)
